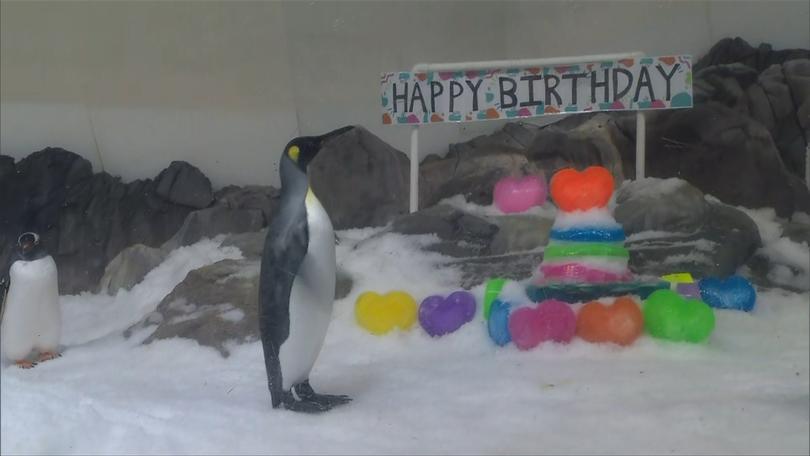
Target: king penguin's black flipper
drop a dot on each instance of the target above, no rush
(284, 250)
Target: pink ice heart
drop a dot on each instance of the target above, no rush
(552, 320)
(514, 194)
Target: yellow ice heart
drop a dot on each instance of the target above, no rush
(379, 314)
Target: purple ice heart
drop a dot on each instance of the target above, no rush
(440, 316)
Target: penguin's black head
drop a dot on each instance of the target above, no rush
(28, 244)
(302, 150)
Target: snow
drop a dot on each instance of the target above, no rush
(654, 234)
(688, 258)
(767, 223)
(653, 187)
(801, 217)
(791, 256)
(88, 317)
(547, 210)
(591, 218)
(746, 391)
(233, 315)
(791, 259)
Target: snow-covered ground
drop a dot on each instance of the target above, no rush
(744, 392)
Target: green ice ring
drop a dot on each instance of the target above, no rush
(585, 249)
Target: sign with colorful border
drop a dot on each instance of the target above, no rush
(508, 93)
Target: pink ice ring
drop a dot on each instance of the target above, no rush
(578, 272)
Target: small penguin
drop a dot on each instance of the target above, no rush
(32, 319)
(297, 284)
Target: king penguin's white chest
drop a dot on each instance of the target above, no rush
(319, 263)
(311, 298)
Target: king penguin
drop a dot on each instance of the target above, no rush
(297, 283)
(32, 319)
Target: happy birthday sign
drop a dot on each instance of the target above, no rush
(463, 96)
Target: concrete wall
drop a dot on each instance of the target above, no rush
(134, 85)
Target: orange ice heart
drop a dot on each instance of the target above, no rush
(620, 323)
(573, 190)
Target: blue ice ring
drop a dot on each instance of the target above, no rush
(587, 234)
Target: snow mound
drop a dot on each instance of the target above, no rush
(743, 392)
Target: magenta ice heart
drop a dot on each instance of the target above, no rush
(439, 315)
(552, 320)
(514, 194)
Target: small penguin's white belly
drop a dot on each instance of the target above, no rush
(32, 319)
(311, 299)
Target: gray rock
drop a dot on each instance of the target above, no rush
(660, 204)
(796, 232)
(773, 97)
(436, 220)
(472, 168)
(710, 239)
(84, 219)
(360, 180)
(516, 266)
(596, 141)
(797, 79)
(726, 84)
(731, 50)
(514, 137)
(182, 183)
(770, 270)
(482, 246)
(250, 197)
(210, 222)
(129, 267)
(343, 284)
(725, 242)
(775, 101)
(216, 305)
(758, 270)
(7, 168)
(251, 243)
(38, 187)
(474, 176)
(519, 233)
(460, 234)
(725, 154)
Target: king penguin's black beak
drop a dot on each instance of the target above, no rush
(323, 138)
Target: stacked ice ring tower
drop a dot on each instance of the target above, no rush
(586, 245)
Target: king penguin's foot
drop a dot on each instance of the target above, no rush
(301, 398)
(24, 364)
(289, 402)
(47, 356)
(304, 391)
